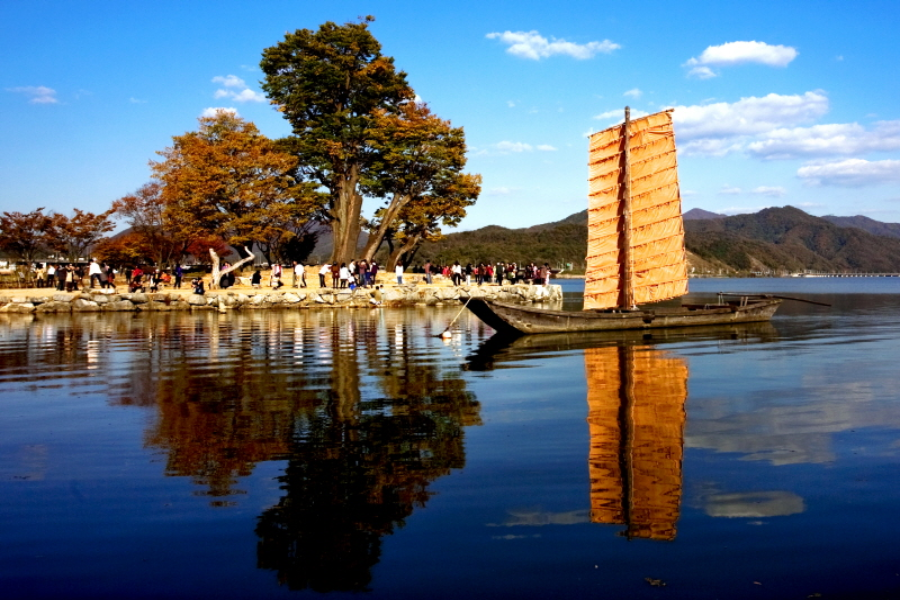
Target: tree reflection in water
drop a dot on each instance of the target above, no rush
(364, 421)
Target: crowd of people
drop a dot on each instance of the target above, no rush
(71, 277)
(487, 274)
(356, 273)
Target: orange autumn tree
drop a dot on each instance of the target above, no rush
(25, 235)
(74, 236)
(153, 235)
(229, 180)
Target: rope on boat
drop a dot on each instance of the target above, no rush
(444, 332)
(773, 296)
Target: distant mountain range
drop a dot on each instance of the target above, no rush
(774, 239)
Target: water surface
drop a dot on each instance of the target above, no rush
(270, 454)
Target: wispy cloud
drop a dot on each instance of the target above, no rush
(737, 53)
(501, 191)
(36, 94)
(234, 88)
(853, 172)
(730, 190)
(510, 147)
(633, 93)
(619, 115)
(771, 191)
(533, 46)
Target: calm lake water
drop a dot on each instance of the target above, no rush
(284, 454)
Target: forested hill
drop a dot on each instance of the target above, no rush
(773, 239)
(789, 239)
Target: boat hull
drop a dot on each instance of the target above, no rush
(506, 317)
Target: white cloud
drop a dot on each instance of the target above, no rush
(771, 191)
(545, 148)
(236, 89)
(702, 73)
(721, 127)
(232, 81)
(134, 100)
(510, 104)
(827, 140)
(213, 111)
(729, 190)
(852, 172)
(37, 94)
(708, 147)
(737, 53)
(532, 45)
(633, 93)
(748, 116)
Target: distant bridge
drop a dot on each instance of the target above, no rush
(818, 274)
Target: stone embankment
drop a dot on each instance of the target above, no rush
(393, 296)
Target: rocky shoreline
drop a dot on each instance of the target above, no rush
(304, 298)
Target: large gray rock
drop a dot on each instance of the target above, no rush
(18, 307)
(139, 298)
(196, 300)
(55, 307)
(83, 305)
(119, 306)
(63, 297)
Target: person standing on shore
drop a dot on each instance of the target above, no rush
(325, 270)
(427, 269)
(456, 273)
(362, 268)
(94, 272)
(398, 271)
(335, 275)
(61, 273)
(179, 273)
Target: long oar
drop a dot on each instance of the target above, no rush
(446, 332)
(774, 296)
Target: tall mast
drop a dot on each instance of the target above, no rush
(626, 289)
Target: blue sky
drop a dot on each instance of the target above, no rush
(777, 103)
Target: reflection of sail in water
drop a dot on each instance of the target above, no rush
(636, 420)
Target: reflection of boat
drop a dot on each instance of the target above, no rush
(636, 420)
(635, 395)
(635, 251)
(505, 350)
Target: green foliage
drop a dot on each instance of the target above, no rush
(331, 85)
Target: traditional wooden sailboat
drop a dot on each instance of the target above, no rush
(635, 253)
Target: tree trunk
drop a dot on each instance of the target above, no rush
(387, 219)
(345, 215)
(217, 275)
(401, 251)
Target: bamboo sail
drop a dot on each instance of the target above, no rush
(635, 231)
